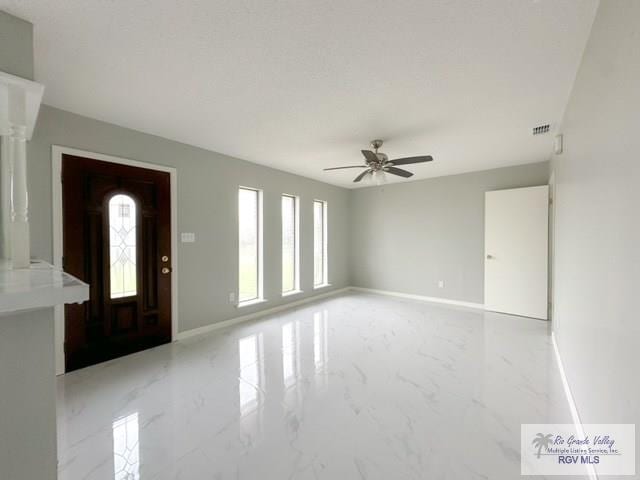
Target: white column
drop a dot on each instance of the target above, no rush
(20, 246)
(5, 199)
(20, 101)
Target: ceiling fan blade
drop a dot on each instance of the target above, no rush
(340, 168)
(361, 176)
(408, 160)
(370, 156)
(398, 171)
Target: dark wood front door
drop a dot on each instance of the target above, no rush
(117, 238)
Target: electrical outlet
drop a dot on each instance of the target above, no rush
(440, 283)
(232, 297)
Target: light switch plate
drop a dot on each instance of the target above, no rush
(187, 237)
(558, 145)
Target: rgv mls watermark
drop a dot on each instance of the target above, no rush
(564, 449)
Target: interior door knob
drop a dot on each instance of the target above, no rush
(490, 257)
(166, 270)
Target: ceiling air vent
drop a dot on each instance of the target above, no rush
(539, 130)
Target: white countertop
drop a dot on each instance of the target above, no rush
(40, 286)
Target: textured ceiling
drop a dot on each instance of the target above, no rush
(302, 85)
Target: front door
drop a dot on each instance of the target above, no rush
(117, 238)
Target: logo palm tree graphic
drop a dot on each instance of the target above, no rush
(542, 441)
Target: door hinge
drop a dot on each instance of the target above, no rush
(550, 201)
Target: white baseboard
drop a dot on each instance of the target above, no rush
(572, 404)
(252, 316)
(421, 297)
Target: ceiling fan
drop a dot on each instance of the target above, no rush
(377, 164)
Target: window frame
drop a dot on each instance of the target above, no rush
(325, 245)
(260, 247)
(296, 244)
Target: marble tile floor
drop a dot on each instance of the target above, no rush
(356, 386)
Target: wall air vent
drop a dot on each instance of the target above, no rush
(539, 130)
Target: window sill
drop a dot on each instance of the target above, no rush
(292, 292)
(248, 303)
(322, 285)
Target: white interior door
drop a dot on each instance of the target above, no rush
(516, 251)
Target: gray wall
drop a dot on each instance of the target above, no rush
(16, 46)
(207, 205)
(407, 237)
(28, 398)
(597, 234)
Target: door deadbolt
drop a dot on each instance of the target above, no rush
(165, 258)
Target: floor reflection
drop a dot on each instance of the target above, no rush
(321, 347)
(251, 383)
(126, 448)
(290, 353)
(251, 372)
(355, 386)
(291, 373)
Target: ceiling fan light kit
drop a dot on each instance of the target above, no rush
(377, 164)
(378, 177)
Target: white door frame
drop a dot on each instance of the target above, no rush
(552, 248)
(56, 184)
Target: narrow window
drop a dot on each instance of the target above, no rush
(320, 274)
(290, 244)
(250, 244)
(122, 246)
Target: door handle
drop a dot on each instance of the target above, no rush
(165, 270)
(490, 257)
